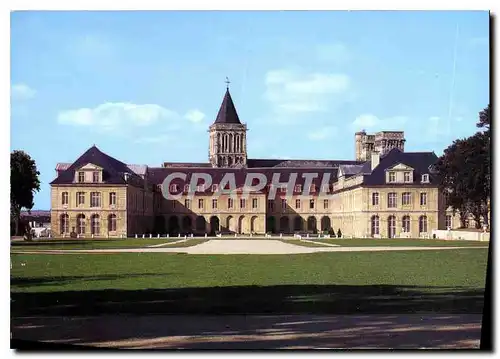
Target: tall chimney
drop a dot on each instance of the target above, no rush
(375, 159)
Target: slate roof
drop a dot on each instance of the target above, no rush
(265, 163)
(157, 175)
(227, 111)
(113, 170)
(139, 169)
(419, 161)
(62, 166)
(349, 170)
(186, 165)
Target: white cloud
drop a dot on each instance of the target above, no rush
(437, 127)
(115, 116)
(322, 133)
(294, 92)
(336, 52)
(366, 121)
(22, 91)
(371, 122)
(195, 116)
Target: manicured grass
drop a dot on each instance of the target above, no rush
(303, 243)
(367, 282)
(90, 243)
(189, 243)
(398, 242)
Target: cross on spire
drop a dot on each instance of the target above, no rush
(227, 82)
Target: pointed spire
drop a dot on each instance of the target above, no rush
(227, 112)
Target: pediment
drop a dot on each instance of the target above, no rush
(90, 167)
(401, 167)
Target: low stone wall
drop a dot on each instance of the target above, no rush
(461, 235)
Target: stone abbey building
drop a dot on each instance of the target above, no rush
(384, 192)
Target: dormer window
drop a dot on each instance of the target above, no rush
(298, 188)
(425, 178)
(95, 177)
(392, 176)
(173, 188)
(407, 176)
(215, 188)
(186, 188)
(81, 177)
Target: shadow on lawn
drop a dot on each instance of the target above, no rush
(50, 243)
(279, 299)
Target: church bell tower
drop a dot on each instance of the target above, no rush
(228, 140)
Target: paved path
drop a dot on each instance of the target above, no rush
(240, 246)
(257, 332)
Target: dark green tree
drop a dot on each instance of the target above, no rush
(464, 171)
(24, 183)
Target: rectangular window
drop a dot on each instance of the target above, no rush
(214, 203)
(95, 177)
(392, 177)
(254, 203)
(375, 199)
(425, 178)
(391, 200)
(243, 203)
(311, 204)
(270, 204)
(325, 204)
(187, 203)
(186, 188)
(407, 176)
(95, 199)
(173, 188)
(229, 203)
(215, 188)
(81, 177)
(200, 188)
(80, 198)
(423, 199)
(298, 188)
(200, 203)
(112, 198)
(406, 198)
(448, 222)
(326, 188)
(173, 204)
(283, 204)
(312, 189)
(297, 203)
(65, 198)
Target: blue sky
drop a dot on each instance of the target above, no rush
(145, 86)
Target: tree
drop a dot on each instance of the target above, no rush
(464, 171)
(484, 119)
(24, 183)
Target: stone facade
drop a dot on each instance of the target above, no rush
(381, 142)
(385, 192)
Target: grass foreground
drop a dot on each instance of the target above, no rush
(54, 244)
(335, 283)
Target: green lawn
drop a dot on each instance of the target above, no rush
(90, 243)
(304, 244)
(370, 242)
(343, 283)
